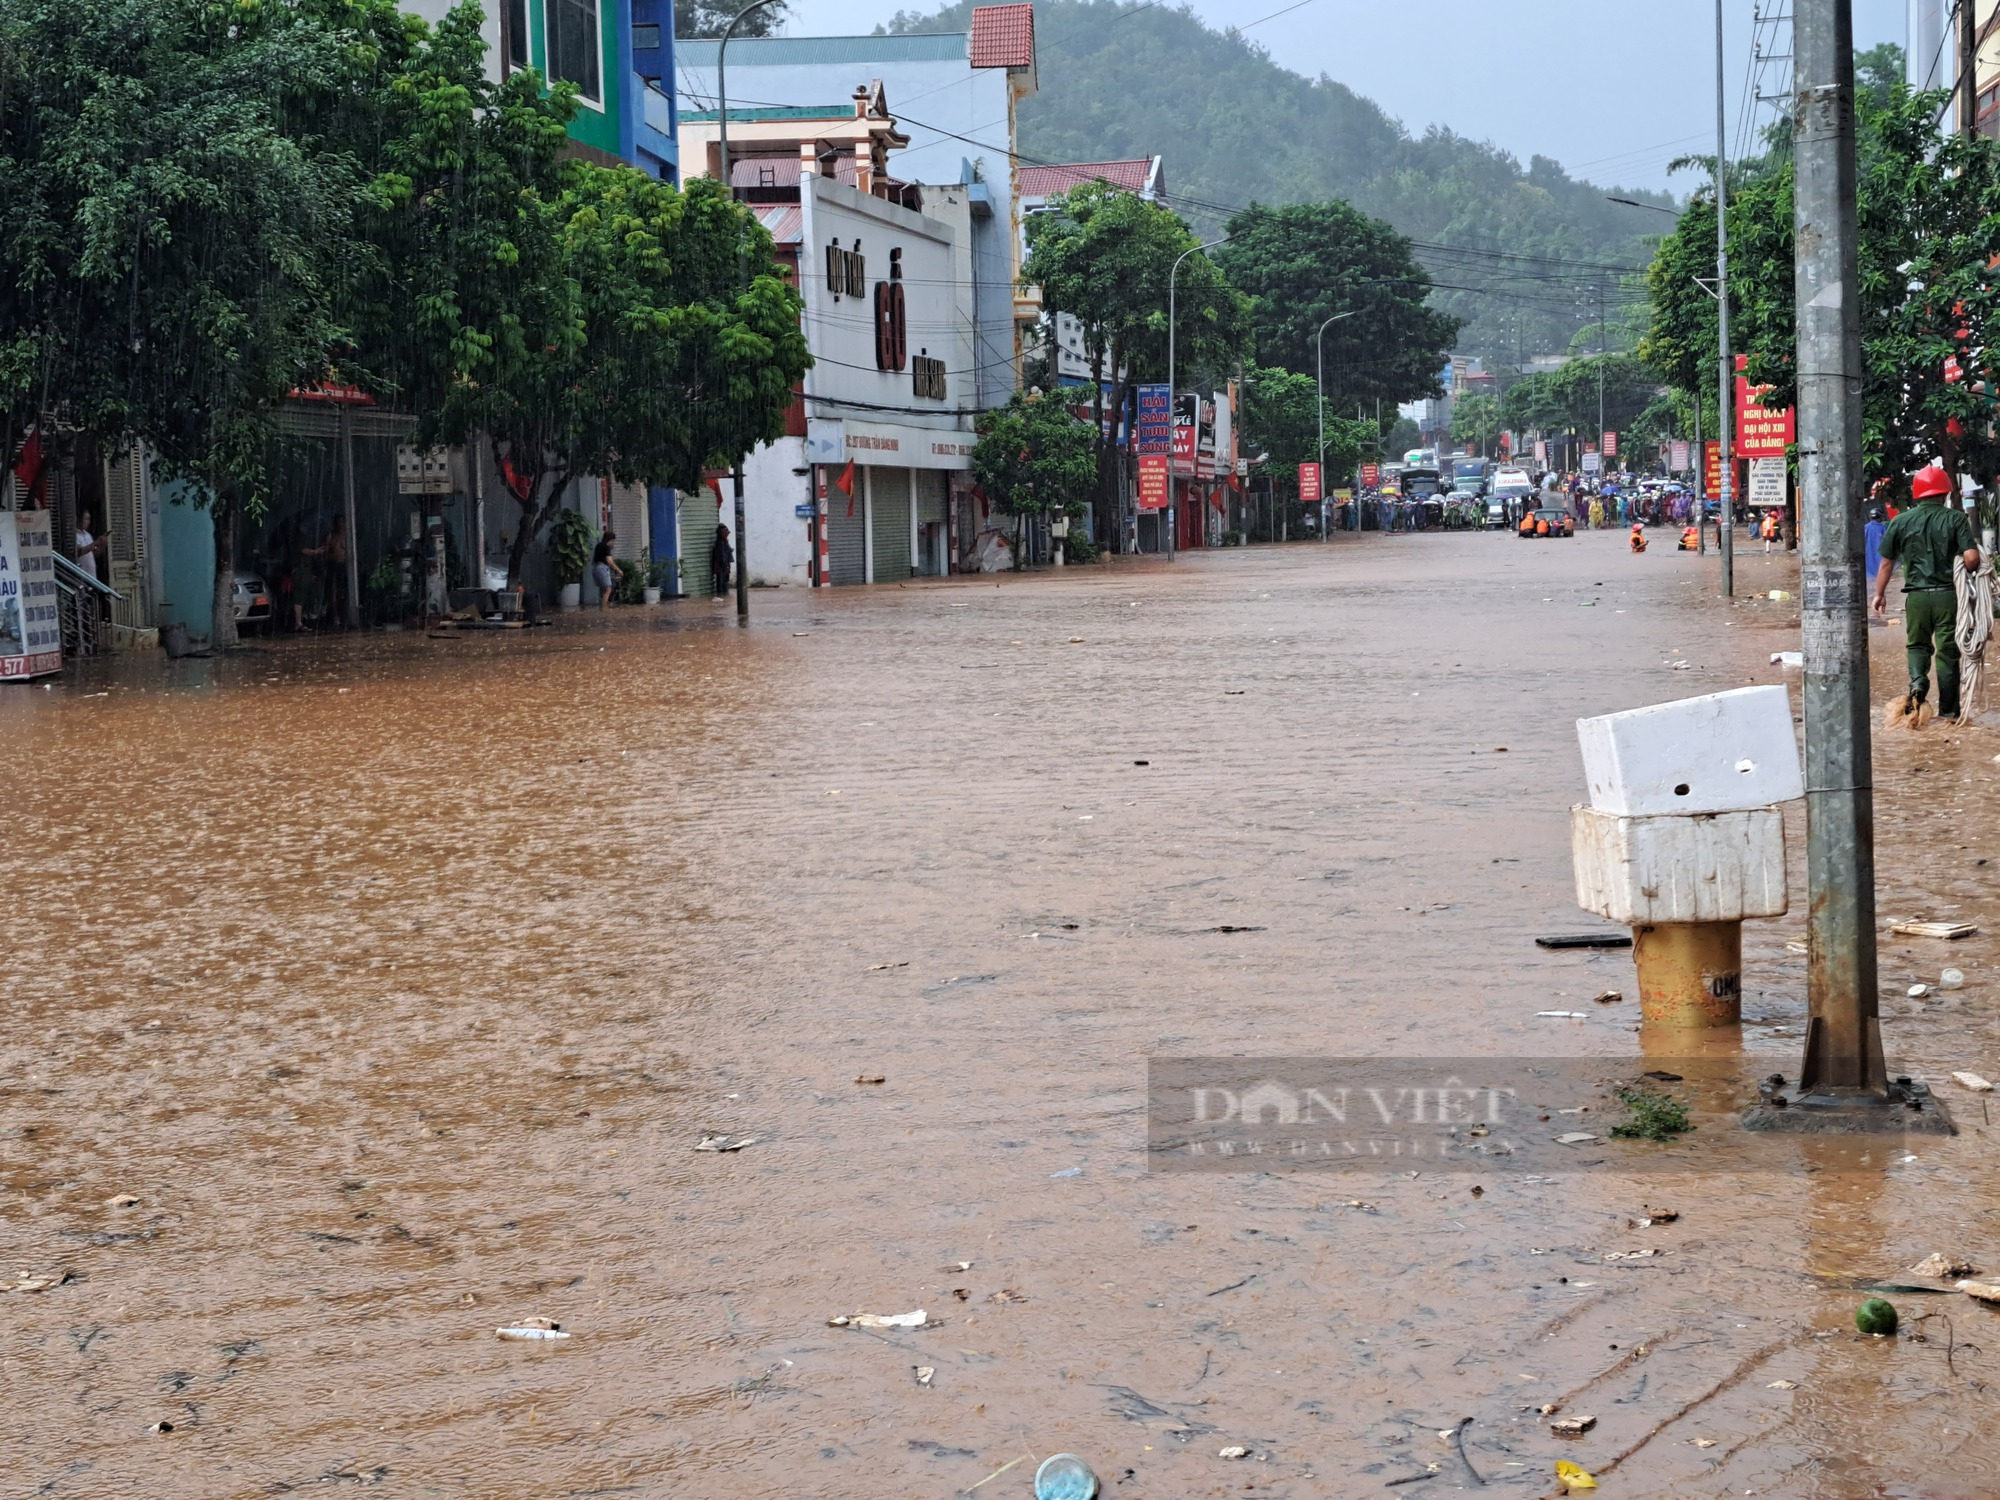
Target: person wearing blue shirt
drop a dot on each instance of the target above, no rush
(1872, 532)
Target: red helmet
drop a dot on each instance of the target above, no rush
(1928, 483)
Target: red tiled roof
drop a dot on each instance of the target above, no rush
(1046, 182)
(1003, 36)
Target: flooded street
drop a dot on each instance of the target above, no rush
(398, 978)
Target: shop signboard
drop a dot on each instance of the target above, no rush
(30, 630)
(1152, 481)
(1156, 419)
(1760, 433)
(1677, 455)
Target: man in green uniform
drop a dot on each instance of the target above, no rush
(1927, 538)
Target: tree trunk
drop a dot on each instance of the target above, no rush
(534, 517)
(222, 617)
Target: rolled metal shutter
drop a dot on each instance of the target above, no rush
(845, 536)
(628, 519)
(891, 495)
(931, 485)
(698, 516)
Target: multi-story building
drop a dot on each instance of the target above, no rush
(618, 53)
(907, 289)
(963, 91)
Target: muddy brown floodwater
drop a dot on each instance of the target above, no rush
(398, 979)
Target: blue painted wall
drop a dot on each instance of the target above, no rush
(187, 562)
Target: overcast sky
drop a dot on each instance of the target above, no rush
(1612, 89)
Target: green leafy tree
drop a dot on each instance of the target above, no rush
(179, 226)
(1281, 422)
(587, 320)
(1307, 262)
(1033, 458)
(1929, 209)
(1476, 419)
(1105, 257)
(1566, 399)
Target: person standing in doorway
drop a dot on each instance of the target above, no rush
(1927, 539)
(604, 567)
(330, 570)
(89, 546)
(720, 558)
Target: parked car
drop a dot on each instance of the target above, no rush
(252, 601)
(1561, 523)
(1507, 502)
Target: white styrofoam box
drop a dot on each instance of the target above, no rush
(1717, 753)
(1692, 867)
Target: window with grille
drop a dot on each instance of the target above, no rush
(573, 47)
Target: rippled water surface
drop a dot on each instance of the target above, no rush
(399, 977)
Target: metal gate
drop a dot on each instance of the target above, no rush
(124, 522)
(932, 558)
(699, 513)
(845, 535)
(889, 489)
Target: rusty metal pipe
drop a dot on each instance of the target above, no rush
(1690, 974)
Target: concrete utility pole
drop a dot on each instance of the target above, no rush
(1968, 70)
(1603, 459)
(722, 151)
(1843, 1035)
(1726, 366)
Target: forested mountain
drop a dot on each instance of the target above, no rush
(1235, 126)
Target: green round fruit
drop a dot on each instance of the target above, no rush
(1875, 1316)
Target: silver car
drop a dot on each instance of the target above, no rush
(252, 601)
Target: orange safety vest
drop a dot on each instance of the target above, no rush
(1541, 528)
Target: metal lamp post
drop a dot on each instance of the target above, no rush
(1319, 347)
(722, 138)
(1726, 367)
(1173, 400)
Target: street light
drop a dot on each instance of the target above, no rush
(1172, 399)
(722, 136)
(1635, 203)
(1319, 346)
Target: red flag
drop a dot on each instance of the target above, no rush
(844, 482)
(28, 468)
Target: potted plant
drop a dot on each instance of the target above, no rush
(663, 579)
(570, 541)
